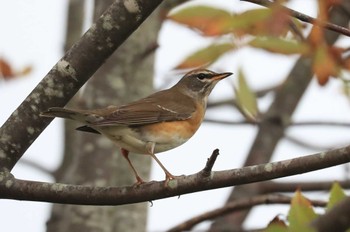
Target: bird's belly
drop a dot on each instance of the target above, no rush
(163, 138)
(166, 136)
(126, 138)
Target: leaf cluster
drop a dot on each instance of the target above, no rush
(301, 214)
(272, 29)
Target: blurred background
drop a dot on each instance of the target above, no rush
(35, 35)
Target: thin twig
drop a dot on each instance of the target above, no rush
(225, 102)
(268, 187)
(232, 102)
(236, 206)
(305, 18)
(298, 34)
(229, 122)
(304, 144)
(36, 166)
(292, 124)
(210, 163)
(321, 123)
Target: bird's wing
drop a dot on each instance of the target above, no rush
(158, 107)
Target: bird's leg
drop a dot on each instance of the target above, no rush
(125, 154)
(150, 148)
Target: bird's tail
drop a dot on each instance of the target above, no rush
(64, 113)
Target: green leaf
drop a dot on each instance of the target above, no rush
(300, 214)
(279, 45)
(205, 56)
(276, 228)
(246, 99)
(249, 18)
(208, 20)
(336, 195)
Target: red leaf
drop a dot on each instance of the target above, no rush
(6, 71)
(325, 64)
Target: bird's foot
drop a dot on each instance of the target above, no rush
(168, 178)
(139, 181)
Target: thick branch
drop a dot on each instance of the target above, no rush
(11, 188)
(69, 74)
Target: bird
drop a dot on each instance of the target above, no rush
(162, 121)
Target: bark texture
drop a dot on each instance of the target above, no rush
(94, 160)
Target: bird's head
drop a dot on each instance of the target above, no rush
(200, 82)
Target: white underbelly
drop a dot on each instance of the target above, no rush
(138, 143)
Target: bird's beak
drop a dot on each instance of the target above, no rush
(221, 76)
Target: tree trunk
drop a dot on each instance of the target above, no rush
(91, 159)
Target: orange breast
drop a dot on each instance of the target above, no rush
(173, 133)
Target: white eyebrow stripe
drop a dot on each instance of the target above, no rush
(163, 108)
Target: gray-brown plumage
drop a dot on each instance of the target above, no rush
(157, 123)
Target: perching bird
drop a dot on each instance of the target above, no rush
(157, 123)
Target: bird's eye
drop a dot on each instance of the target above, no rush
(201, 76)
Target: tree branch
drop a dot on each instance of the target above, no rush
(300, 142)
(237, 205)
(230, 122)
(69, 74)
(288, 187)
(11, 188)
(304, 18)
(37, 166)
(232, 102)
(291, 124)
(321, 123)
(210, 163)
